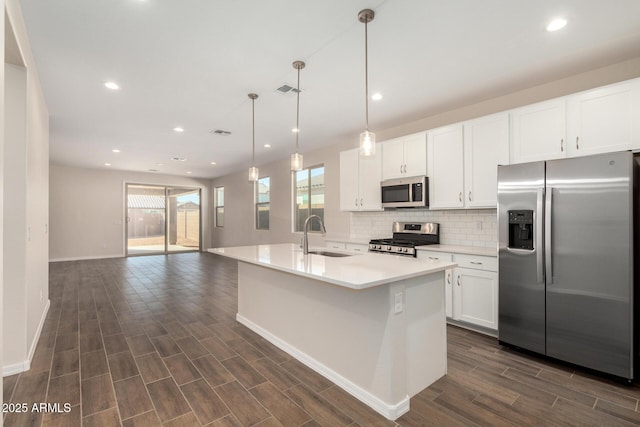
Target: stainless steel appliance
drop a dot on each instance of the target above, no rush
(406, 236)
(405, 192)
(566, 266)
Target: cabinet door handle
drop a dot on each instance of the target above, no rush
(458, 280)
(361, 202)
(434, 258)
(405, 168)
(400, 168)
(449, 278)
(562, 144)
(469, 195)
(474, 262)
(577, 142)
(356, 203)
(460, 196)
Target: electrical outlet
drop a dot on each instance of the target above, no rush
(398, 303)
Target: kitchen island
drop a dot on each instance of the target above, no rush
(373, 324)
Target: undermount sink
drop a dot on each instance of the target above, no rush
(331, 254)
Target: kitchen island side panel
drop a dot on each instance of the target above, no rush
(353, 333)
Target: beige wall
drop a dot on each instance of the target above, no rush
(87, 208)
(239, 226)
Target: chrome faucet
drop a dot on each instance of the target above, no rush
(305, 238)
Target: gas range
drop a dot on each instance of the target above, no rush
(406, 236)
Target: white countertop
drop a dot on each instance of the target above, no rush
(469, 250)
(359, 271)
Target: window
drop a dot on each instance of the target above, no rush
(219, 204)
(263, 196)
(308, 196)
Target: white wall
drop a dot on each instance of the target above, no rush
(87, 209)
(26, 225)
(15, 215)
(459, 227)
(2, 29)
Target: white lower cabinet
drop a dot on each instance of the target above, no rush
(475, 297)
(471, 289)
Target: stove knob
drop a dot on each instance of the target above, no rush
(405, 250)
(388, 248)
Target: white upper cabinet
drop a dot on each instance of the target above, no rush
(360, 181)
(539, 132)
(604, 120)
(404, 156)
(486, 145)
(446, 164)
(596, 121)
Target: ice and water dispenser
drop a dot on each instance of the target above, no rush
(521, 229)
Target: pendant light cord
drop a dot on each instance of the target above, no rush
(366, 76)
(298, 110)
(253, 125)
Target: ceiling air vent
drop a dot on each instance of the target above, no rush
(220, 132)
(287, 89)
(178, 159)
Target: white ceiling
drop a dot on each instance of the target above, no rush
(191, 63)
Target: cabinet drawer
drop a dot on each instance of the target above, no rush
(336, 245)
(435, 255)
(355, 247)
(477, 262)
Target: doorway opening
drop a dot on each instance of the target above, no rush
(162, 220)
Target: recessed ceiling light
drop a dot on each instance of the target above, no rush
(295, 130)
(112, 85)
(213, 163)
(115, 150)
(107, 164)
(376, 96)
(178, 129)
(189, 172)
(556, 24)
(159, 164)
(267, 145)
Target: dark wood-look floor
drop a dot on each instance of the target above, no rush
(152, 341)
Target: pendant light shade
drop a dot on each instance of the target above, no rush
(367, 139)
(254, 173)
(296, 158)
(253, 170)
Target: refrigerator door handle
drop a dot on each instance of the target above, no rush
(538, 233)
(548, 235)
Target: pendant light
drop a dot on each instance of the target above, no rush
(253, 170)
(367, 139)
(296, 158)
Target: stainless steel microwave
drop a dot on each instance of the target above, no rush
(405, 192)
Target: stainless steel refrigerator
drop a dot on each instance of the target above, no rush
(566, 264)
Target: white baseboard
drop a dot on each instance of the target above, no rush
(83, 258)
(390, 411)
(17, 368)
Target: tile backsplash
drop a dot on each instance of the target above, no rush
(469, 227)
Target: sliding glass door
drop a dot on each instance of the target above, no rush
(162, 219)
(184, 219)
